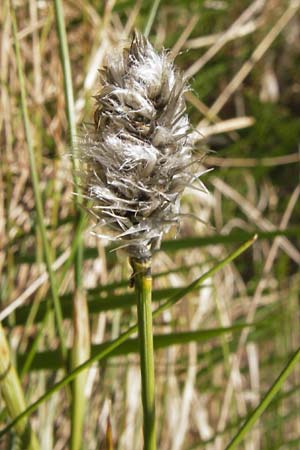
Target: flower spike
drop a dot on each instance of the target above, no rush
(138, 158)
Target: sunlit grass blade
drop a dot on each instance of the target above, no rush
(123, 337)
(34, 346)
(13, 395)
(80, 352)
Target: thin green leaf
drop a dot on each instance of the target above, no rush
(258, 411)
(151, 17)
(123, 337)
(37, 194)
(47, 360)
(235, 237)
(81, 340)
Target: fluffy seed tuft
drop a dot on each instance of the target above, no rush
(138, 158)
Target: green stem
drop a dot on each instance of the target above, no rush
(81, 343)
(66, 66)
(143, 287)
(37, 194)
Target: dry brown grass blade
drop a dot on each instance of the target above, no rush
(253, 162)
(205, 41)
(97, 58)
(257, 54)
(246, 15)
(226, 126)
(184, 36)
(255, 216)
(33, 287)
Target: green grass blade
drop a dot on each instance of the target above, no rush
(47, 360)
(151, 17)
(265, 401)
(37, 195)
(65, 60)
(13, 396)
(96, 303)
(174, 299)
(124, 336)
(235, 237)
(81, 344)
(30, 355)
(271, 424)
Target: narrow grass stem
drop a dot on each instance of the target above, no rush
(33, 347)
(143, 286)
(66, 66)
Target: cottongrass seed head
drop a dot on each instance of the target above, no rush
(137, 158)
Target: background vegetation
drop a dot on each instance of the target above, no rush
(212, 370)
